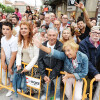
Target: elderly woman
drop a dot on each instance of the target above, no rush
(75, 66)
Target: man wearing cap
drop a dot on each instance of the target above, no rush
(91, 47)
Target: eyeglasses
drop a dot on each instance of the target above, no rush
(64, 18)
(56, 24)
(96, 33)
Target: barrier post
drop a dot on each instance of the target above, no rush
(55, 88)
(47, 87)
(91, 87)
(1, 75)
(6, 78)
(74, 90)
(40, 89)
(99, 95)
(84, 90)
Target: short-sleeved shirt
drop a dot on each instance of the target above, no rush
(28, 12)
(9, 46)
(17, 29)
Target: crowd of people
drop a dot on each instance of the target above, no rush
(61, 44)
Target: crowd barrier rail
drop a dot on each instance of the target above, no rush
(91, 89)
(84, 96)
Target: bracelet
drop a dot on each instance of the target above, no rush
(83, 9)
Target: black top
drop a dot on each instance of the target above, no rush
(45, 61)
(85, 34)
(29, 12)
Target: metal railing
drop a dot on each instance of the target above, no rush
(33, 98)
(91, 89)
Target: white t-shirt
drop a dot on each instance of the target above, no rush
(61, 28)
(49, 46)
(17, 29)
(9, 46)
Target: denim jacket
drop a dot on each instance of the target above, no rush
(19, 81)
(82, 68)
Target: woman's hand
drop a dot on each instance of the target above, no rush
(46, 79)
(24, 70)
(80, 5)
(18, 67)
(65, 77)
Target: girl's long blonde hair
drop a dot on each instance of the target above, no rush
(20, 38)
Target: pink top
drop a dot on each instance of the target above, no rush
(98, 43)
(18, 14)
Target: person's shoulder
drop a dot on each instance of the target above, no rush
(3, 38)
(59, 42)
(82, 55)
(84, 40)
(87, 28)
(17, 27)
(14, 39)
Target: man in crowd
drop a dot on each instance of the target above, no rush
(64, 23)
(48, 21)
(15, 22)
(45, 61)
(41, 17)
(91, 47)
(84, 29)
(52, 15)
(57, 24)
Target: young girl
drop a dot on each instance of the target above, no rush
(75, 66)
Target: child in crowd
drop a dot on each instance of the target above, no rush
(8, 51)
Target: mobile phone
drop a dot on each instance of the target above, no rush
(19, 71)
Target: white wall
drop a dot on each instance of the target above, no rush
(22, 9)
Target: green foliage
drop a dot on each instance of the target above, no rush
(6, 9)
(9, 9)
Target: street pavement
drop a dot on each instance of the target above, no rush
(4, 91)
(3, 96)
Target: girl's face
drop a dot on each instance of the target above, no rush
(70, 53)
(24, 30)
(66, 35)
